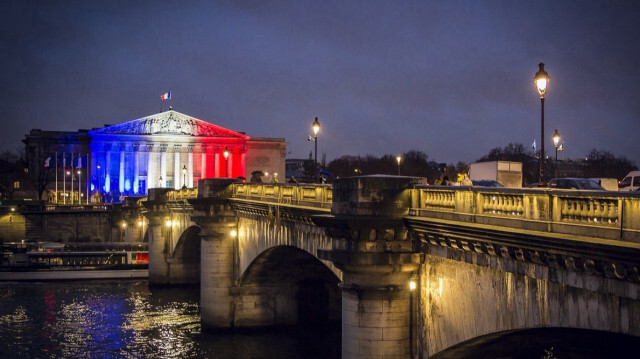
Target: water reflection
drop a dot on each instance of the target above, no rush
(105, 319)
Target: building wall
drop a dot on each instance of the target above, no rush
(267, 156)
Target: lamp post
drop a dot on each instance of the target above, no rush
(79, 188)
(226, 162)
(184, 177)
(316, 128)
(541, 80)
(556, 142)
(398, 158)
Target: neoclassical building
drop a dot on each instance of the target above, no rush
(168, 149)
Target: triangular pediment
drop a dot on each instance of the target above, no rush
(168, 123)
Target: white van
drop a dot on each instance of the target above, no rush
(630, 182)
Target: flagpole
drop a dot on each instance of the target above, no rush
(71, 190)
(56, 177)
(64, 178)
(86, 178)
(79, 179)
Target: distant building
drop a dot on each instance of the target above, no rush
(168, 149)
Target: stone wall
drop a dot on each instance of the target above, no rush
(464, 295)
(78, 227)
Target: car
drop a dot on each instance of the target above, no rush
(487, 183)
(575, 183)
(630, 182)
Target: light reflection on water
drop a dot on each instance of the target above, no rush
(110, 319)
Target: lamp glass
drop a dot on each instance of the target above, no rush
(316, 127)
(542, 80)
(556, 138)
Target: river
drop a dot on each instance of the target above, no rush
(127, 319)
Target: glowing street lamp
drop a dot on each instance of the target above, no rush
(556, 142)
(99, 174)
(541, 80)
(226, 162)
(316, 128)
(398, 158)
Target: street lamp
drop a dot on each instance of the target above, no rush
(556, 142)
(398, 158)
(99, 189)
(316, 128)
(542, 80)
(184, 177)
(226, 162)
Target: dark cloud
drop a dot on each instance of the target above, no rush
(451, 78)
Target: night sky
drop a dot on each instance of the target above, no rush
(450, 78)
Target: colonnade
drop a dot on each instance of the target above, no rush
(132, 168)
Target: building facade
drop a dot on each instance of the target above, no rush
(168, 149)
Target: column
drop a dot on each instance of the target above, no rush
(152, 177)
(163, 162)
(107, 168)
(121, 172)
(216, 163)
(203, 162)
(94, 171)
(136, 169)
(190, 167)
(177, 169)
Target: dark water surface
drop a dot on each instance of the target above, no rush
(127, 319)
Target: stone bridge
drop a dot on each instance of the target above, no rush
(410, 270)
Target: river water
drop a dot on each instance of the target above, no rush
(127, 319)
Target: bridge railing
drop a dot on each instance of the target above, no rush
(602, 214)
(180, 194)
(309, 195)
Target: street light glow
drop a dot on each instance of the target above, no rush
(556, 138)
(316, 127)
(541, 79)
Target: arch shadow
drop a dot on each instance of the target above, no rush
(306, 283)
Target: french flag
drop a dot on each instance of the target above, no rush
(166, 96)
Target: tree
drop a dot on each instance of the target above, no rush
(604, 164)
(413, 163)
(40, 177)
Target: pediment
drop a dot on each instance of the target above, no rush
(168, 123)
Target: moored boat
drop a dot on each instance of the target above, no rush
(59, 261)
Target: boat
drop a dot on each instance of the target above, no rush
(22, 261)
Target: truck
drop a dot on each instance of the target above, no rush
(509, 174)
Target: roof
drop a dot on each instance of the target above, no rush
(169, 123)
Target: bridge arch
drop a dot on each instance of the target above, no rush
(287, 285)
(184, 259)
(547, 342)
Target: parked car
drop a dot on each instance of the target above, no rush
(487, 183)
(575, 183)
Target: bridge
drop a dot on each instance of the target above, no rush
(409, 269)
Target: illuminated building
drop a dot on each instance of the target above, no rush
(131, 157)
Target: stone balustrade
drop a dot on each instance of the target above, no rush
(308, 195)
(182, 194)
(601, 214)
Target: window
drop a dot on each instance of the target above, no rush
(16, 184)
